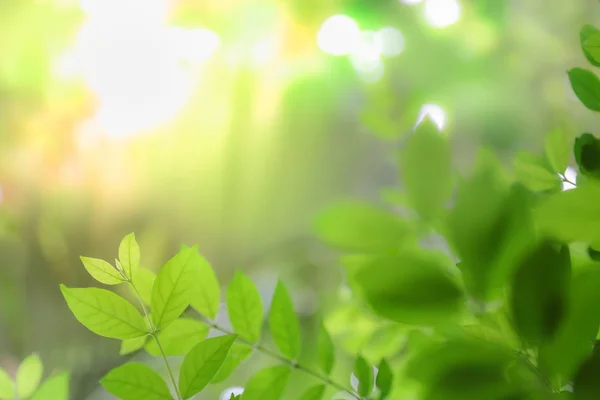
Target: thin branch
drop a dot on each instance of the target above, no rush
(164, 357)
(564, 178)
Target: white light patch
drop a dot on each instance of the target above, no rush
(338, 35)
(236, 391)
(435, 112)
(411, 2)
(571, 175)
(389, 41)
(442, 13)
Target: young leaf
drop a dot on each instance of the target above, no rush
(102, 271)
(207, 292)
(537, 310)
(557, 150)
(245, 307)
(29, 375)
(129, 346)
(530, 171)
(143, 281)
(355, 226)
(268, 384)
(325, 350)
(54, 388)
(314, 393)
(202, 363)
(591, 47)
(105, 313)
(364, 373)
(129, 255)
(384, 380)
(426, 169)
(587, 32)
(173, 287)
(238, 353)
(135, 381)
(587, 155)
(7, 386)
(586, 385)
(178, 338)
(284, 323)
(586, 86)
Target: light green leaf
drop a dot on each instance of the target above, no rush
(105, 313)
(587, 31)
(238, 353)
(178, 338)
(135, 381)
(129, 346)
(325, 350)
(530, 171)
(356, 226)
(54, 388)
(426, 170)
(384, 380)
(7, 386)
(313, 393)
(245, 307)
(268, 384)
(143, 281)
(202, 364)
(29, 375)
(173, 287)
(102, 271)
(586, 86)
(591, 46)
(364, 373)
(207, 292)
(284, 323)
(558, 150)
(129, 255)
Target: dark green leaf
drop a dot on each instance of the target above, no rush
(29, 375)
(594, 254)
(105, 313)
(245, 307)
(557, 150)
(207, 292)
(364, 374)
(54, 388)
(313, 393)
(530, 171)
(586, 86)
(178, 338)
(238, 353)
(268, 384)
(325, 350)
(587, 32)
(202, 363)
(129, 255)
(102, 271)
(284, 324)
(384, 380)
(587, 154)
(135, 381)
(426, 169)
(586, 385)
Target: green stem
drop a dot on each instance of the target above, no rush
(282, 359)
(164, 357)
(567, 180)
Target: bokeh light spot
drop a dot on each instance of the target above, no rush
(338, 35)
(434, 112)
(389, 41)
(226, 395)
(411, 2)
(442, 13)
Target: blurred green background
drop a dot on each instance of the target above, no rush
(228, 124)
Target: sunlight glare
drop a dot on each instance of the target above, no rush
(338, 35)
(435, 113)
(411, 2)
(442, 13)
(389, 41)
(226, 395)
(570, 174)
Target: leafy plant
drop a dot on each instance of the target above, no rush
(28, 383)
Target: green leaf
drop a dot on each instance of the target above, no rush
(54, 388)
(135, 381)
(238, 353)
(586, 385)
(174, 286)
(178, 338)
(284, 323)
(202, 363)
(314, 393)
(7, 386)
(557, 150)
(411, 287)
(573, 340)
(102, 271)
(586, 86)
(364, 373)
(29, 375)
(245, 307)
(325, 350)
(572, 215)
(384, 380)
(105, 313)
(537, 310)
(587, 32)
(143, 281)
(268, 384)
(587, 154)
(207, 292)
(591, 46)
(129, 255)
(355, 226)
(530, 171)
(129, 346)
(426, 169)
